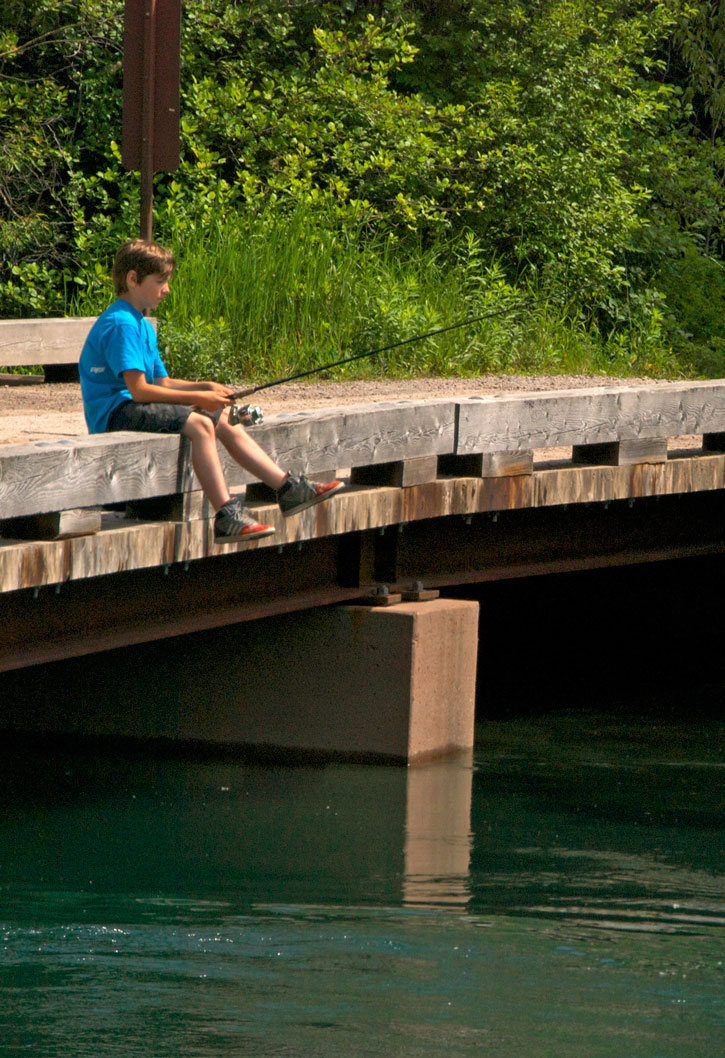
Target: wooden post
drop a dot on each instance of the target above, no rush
(151, 62)
(147, 120)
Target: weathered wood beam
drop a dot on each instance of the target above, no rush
(26, 342)
(112, 468)
(359, 434)
(122, 467)
(511, 422)
(486, 464)
(402, 474)
(104, 612)
(127, 545)
(605, 484)
(622, 453)
(57, 525)
(90, 472)
(547, 540)
(52, 341)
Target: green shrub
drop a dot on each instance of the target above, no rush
(346, 177)
(694, 291)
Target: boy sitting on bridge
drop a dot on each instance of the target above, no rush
(125, 386)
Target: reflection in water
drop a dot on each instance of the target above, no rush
(438, 838)
(560, 896)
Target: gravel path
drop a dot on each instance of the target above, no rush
(32, 411)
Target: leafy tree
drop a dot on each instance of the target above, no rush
(60, 75)
(579, 143)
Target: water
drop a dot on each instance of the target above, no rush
(561, 894)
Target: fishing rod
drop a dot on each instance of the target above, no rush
(248, 416)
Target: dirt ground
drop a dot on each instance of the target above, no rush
(32, 411)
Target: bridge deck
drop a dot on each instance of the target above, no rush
(124, 542)
(441, 492)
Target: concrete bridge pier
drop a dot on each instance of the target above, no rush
(368, 681)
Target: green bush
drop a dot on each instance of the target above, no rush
(255, 299)
(694, 290)
(574, 148)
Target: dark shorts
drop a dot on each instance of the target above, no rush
(153, 418)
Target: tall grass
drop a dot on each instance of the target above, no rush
(258, 298)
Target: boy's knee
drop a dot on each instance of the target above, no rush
(198, 425)
(224, 427)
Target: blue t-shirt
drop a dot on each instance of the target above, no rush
(120, 340)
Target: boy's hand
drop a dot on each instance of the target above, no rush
(219, 389)
(211, 401)
(215, 396)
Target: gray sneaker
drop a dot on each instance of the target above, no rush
(234, 522)
(298, 493)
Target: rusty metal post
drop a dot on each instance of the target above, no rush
(147, 120)
(151, 60)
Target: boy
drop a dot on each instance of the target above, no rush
(125, 386)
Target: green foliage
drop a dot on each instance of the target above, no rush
(255, 299)
(60, 78)
(698, 57)
(574, 147)
(694, 287)
(198, 349)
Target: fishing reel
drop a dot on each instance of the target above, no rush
(245, 415)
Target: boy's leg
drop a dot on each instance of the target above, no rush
(245, 451)
(205, 458)
(232, 522)
(294, 492)
(175, 418)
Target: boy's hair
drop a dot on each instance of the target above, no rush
(142, 257)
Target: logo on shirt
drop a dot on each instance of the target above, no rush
(98, 370)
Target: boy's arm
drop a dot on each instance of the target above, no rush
(165, 391)
(180, 383)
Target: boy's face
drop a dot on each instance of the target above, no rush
(149, 293)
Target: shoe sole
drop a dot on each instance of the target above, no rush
(317, 499)
(241, 537)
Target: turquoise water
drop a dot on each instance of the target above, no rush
(561, 894)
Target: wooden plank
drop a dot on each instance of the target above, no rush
(90, 472)
(358, 435)
(401, 474)
(603, 484)
(129, 545)
(506, 464)
(513, 422)
(56, 525)
(50, 341)
(114, 612)
(121, 467)
(180, 507)
(25, 342)
(487, 464)
(100, 613)
(622, 453)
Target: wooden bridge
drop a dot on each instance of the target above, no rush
(106, 541)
